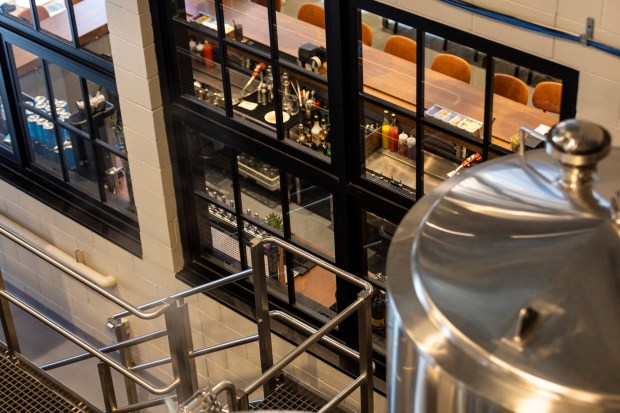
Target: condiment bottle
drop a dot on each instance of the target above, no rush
(207, 54)
(402, 144)
(385, 131)
(411, 151)
(393, 134)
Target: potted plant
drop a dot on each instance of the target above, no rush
(275, 257)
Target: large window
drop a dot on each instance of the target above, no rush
(68, 131)
(332, 120)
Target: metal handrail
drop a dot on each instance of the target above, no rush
(100, 355)
(18, 239)
(192, 291)
(361, 306)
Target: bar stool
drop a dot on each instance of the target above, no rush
(548, 96)
(510, 87)
(366, 34)
(452, 66)
(264, 3)
(313, 14)
(401, 46)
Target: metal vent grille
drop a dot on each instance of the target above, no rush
(24, 390)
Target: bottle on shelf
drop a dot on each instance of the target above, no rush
(269, 83)
(301, 136)
(308, 120)
(207, 55)
(377, 310)
(393, 134)
(402, 144)
(316, 130)
(385, 131)
(411, 151)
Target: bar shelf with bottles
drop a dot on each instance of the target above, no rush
(390, 151)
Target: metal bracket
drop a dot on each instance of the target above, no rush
(589, 34)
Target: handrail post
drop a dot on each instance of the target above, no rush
(8, 324)
(180, 342)
(107, 387)
(365, 346)
(263, 320)
(120, 328)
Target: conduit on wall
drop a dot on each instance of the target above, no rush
(103, 281)
(533, 26)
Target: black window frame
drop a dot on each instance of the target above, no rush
(352, 193)
(17, 169)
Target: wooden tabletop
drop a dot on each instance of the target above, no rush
(385, 76)
(91, 23)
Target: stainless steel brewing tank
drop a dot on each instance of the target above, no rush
(504, 286)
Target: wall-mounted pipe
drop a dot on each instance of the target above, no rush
(103, 281)
(514, 21)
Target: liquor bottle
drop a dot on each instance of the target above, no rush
(385, 131)
(308, 120)
(309, 142)
(377, 310)
(323, 145)
(393, 134)
(316, 130)
(301, 136)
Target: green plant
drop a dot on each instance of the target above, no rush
(274, 220)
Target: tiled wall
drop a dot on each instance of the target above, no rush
(599, 83)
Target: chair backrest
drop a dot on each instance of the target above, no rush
(313, 14)
(452, 66)
(548, 96)
(366, 34)
(264, 3)
(42, 14)
(510, 87)
(401, 46)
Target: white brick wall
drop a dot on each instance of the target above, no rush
(600, 72)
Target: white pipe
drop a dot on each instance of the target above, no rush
(103, 281)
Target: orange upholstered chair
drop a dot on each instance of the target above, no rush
(313, 14)
(548, 96)
(510, 87)
(366, 34)
(452, 66)
(264, 3)
(42, 13)
(401, 46)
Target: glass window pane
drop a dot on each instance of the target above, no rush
(42, 143)
(199, 67)
(19, 11)
(443, 154)
(247, 21)
(523, 97)
(80, 162)
(389, 144)
(117, 182)
(454, 85)
(66, 90)
(315, 288)
(260, 192)
(31, 78)
(311, 216)
(389, 61)
(54, 19)
(212, 171)
(104, 109)
(301, 34)
(377, 235)
(306, 101)
(5, 137)
(92, 26)
(249, 80)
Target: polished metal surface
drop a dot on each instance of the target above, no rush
(504, 291)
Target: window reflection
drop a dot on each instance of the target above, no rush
(81, 164)
(117, 182)
(5, 136)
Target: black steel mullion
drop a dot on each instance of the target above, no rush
(219, 16)
(488, 105)
(286, 221)
(91, 131)
(35, 15)
(12, 107)
(238, 207)
(419, 127)
(75, 36)
(276, 72)
(52, 103)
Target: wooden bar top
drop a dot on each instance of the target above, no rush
(386, 76)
